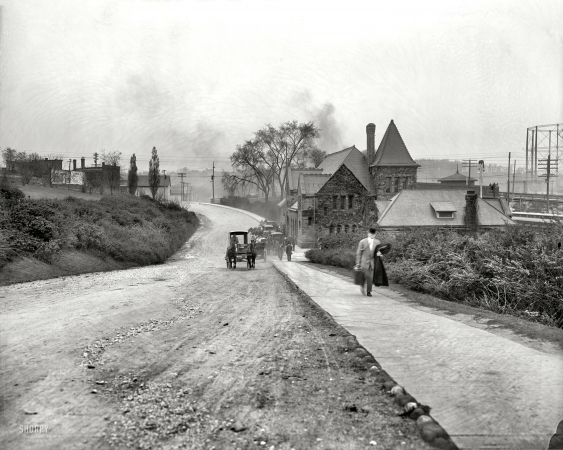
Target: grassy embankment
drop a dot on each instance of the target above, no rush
(43, 238)
(517, 271)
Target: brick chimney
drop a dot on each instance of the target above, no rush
(370, 131)
(74, 164)
(82, 163)
(471, 217)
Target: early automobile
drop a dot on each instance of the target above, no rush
(242, 251)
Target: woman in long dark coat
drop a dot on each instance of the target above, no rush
(379, 274)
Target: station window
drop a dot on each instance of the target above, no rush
(334, 202)
(343, 202)
(350, 201)
(309, 221)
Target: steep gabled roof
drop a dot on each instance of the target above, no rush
(413, 208)
(456, 177)
(309, 183)
(392, 150)
(294, 176)
(356, 162)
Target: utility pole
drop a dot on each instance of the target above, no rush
(514, 182)
(182, 175)
(547, 180)
(508, 187)
(468, 163)
(213, 183)
(548, 165)
(481, 170)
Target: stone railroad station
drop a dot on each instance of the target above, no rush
(342, 193)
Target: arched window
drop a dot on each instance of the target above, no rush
(346, 228)
(354, 228)
(338, 228)
(331, 229)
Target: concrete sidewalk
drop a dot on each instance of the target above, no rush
(485, 390)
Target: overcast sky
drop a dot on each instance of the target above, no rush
(460, 79)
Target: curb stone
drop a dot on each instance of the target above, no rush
(435, 434)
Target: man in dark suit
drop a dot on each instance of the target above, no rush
(365, 259)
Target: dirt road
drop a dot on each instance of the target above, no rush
(187, 354)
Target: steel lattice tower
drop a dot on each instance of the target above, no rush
(543, 141)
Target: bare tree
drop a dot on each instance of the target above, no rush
(288, 146)
(154, 173)
(253, 167)
(132, 177)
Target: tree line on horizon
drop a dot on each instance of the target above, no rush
(31, 165)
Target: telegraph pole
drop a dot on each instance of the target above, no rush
(481, 170)
(508, 186)
(468, 163)
(213, 182)
(182, 175)
(547, 164)
(547, 180)
(514, 182)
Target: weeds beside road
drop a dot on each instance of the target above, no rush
(517, 270)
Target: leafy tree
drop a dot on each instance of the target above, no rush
(154, 173)
(24, 166)
(317, 156)
(9, 156)
(93, 180)
(132, 177)
(112, 173)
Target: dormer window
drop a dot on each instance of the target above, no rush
(443, 210)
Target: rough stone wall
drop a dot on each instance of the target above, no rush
(362, 214)
(380, 175)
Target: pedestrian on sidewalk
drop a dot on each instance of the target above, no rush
(281, 249)
(288, 251)
(252, 255)
(365, 260)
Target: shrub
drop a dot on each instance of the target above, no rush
(515, 270)
(126, 228)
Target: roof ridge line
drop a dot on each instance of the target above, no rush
(389, 205)
(343, 150)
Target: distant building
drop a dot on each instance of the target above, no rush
(164, 188)
(457, 179)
